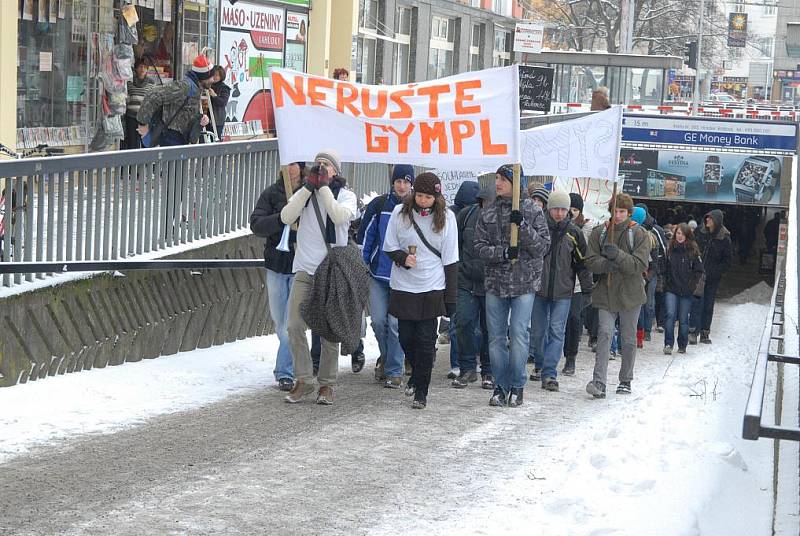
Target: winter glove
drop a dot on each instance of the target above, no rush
(610, 252)
(516, 217)
(511, 253)
(451, 310)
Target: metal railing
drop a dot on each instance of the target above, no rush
(771, 349)
(109, 206)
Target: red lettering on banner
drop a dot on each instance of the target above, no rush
(433, 92)
(316, 97)
(433, 131)
(380, 110)
(343, 101)
(376, 144)
(281, 86)
(461, 98)
(460, 135)
(402, 137)
(488, 147)
(404, 110)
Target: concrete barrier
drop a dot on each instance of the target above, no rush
(109, 320)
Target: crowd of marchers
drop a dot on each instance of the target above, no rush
(516, 311)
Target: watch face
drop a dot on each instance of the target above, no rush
(754, 174)
(712, 173)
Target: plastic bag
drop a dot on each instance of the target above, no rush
(112, 125)
(126, 35)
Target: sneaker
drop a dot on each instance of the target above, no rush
(498, 397)
(453, 374)
(536, 375)
(393, 382)
(419, 402)
(357, 362)
(704, 339)
(681, 350)
(612, 355)
(647, 336)
(596, 389)
(380, 375)
(692, 338)
(624, 388)
(668, 350)
(325, 395)
(660, 329)
(487, 381)
(550, 384)
(515, 397)
(410, 389)
(285, 384)
(464, 379)
(297, 393)
(569, 367)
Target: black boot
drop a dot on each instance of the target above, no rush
(569, 367)
(704, 339)
(515, 398)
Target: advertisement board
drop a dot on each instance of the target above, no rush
(704, 177)
(296, 38)
(528, 37)
(737, 30)
(251, 42)
(710, 132)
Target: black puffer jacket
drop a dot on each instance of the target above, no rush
(265, 221)
(684, 269)
(470, 266)
(715, 248)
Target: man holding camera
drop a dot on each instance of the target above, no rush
(324, 208)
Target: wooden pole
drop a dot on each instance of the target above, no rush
(287, 185)
(611, 224)
(514, 239)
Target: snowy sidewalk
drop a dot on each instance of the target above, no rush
(199, 444)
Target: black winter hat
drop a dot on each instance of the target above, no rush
(576, 201)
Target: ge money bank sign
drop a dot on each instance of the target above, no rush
(709, 132)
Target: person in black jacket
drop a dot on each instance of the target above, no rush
(684, 267)
(265, 221)
(220, 94)
(714, 241)
(470, 320)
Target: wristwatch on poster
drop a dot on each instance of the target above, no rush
(756, 179)
(712, 174)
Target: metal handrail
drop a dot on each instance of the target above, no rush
(771, 337)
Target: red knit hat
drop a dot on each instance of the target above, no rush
(202, 67)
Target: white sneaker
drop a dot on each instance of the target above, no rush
(668, 350)
(453, 374)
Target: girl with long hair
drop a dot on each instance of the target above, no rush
(422, 241)
(684, 271)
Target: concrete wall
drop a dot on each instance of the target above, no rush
(107, 320)
(8, 73)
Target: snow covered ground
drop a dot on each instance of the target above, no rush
(667, 460)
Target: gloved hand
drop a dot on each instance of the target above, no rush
(451, 310)
(610, 252)
(516, 217)
(511, 253)
(324, 179)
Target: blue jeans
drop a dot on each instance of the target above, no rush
(471, 333)
(676, 308)
(278, 287)
(547, 333)
(509, 357)
(648, 313)
(385, 328)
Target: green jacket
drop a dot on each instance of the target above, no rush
(621, 285)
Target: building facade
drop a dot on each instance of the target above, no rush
(786, 66)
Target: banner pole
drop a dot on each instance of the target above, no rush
(611, 224)
(514, 239)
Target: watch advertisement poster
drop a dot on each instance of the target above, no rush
(251, 41)
(705, 177)
(633, 166)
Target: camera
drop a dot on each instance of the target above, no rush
(318, 171)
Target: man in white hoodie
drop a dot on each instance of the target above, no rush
(324, 208)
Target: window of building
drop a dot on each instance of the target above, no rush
(442, 28)
(476, 48)
(769, 7)
(369, 14)
(440, 59)
(738, 6)
(502, 7)
(767, 46)
(501, 55)
(402, 48)
(199, 31)
(440, 63)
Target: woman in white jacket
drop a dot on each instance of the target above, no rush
(422, 241)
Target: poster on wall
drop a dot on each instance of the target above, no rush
(737, 30)
(251, 42)
(296, 38)
(633, 166)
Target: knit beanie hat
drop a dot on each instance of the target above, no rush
(403, 172)
(639, 214)
(576, 201)
(506, 171)
(558, 200)
(427, 183)
(331, 156)
(541, 193)
(202, 67)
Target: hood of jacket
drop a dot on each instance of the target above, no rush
(718, 217)
(466, 195)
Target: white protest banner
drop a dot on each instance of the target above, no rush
(584, 147)
(452, 180)
(459, 122)
(596, 194)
